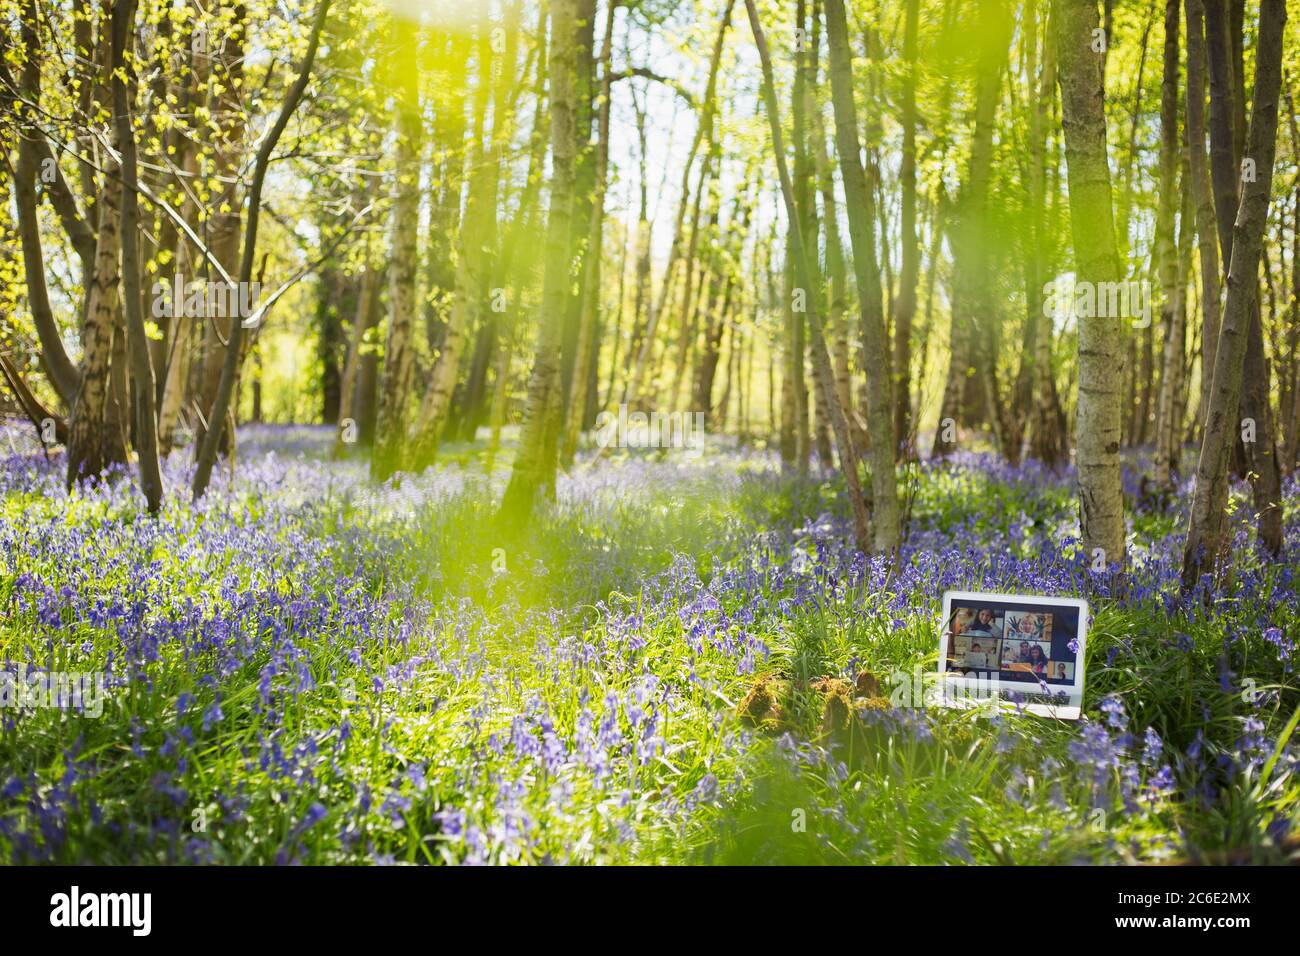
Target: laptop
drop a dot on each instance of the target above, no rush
(1013, 651)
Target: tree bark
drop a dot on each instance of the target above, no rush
(1207, 243)
(367, 290)
(1046, 442)
(1258, 457)
(837, 273)
(59, 368)
(95, 438)
(473, 408)
(390, 428)
(228, 153)
(861, 217)
(477, 236)
(1101, 501)
(221, 405)
(1171, 290)
(1206, 538)
(632, 395)
(535, 461)
(174, 371)
(805, 274)
(449, 160)
(32, 406)
(146, 436)
(1292, 410)
(973, 323)
(974, 304)
(905, 306)
(576, 407)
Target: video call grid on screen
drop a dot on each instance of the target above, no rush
(1007, 644)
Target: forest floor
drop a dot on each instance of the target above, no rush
(306, 667)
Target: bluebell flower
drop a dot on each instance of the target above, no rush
(1113, 708)
(1152, 747)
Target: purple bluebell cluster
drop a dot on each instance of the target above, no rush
(307, 667)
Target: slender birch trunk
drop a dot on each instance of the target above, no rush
(1083, 117)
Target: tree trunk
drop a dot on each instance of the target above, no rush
(632, 395)
(576, 407)
(821, 359)
(1046, 443)
(1186, 237)
(797, 332)
(32, 407)
(1101, 501)
(584, 79)
(1171, 407)
(535, 461)
(146, 436)
(835, 267)
(641, 292)
(861, 217)
(719, 318)
(1206, 538)
(688, 315)
(1258, 456)
(96, 438)
(365, 404)
(59, 369)
(449, 157)
(1292, 411)
(367, 294)
(476, 239)
(1171, 290)
(905, 306)
(1132, 339)
(973, 299)
(970, 382)
(394, 387)
(1207, 243)
(228, 153)
(222, 410)
(526, 225)
(333, 292)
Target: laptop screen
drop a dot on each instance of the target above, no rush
(1020, 648)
